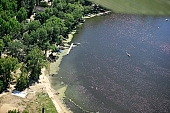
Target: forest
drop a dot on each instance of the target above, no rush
(24, 43)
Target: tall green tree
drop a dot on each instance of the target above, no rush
(7, 39)
(35, 61)
(69, 21)
(23, 28)
(34, 25)
(23, 79)
(3, 25)
(58, 28)
(42, 17)
(16, 49)
(43, 39)
(31, 39)
(59, 4)
(13, 26)
(1, 85)
(9, 5)
(76, 10)
(7, 65)
(1, 46)
(22, 14)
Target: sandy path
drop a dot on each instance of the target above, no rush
(6, 107)
(44, 80)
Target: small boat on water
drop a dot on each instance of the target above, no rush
(166, 19)
(128, 54)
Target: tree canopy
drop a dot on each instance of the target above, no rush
(22, 14)
(7, 65)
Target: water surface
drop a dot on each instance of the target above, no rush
(102, 78)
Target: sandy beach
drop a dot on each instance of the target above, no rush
(44, 80)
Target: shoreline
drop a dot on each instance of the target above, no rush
(45, 81)
(54, 67)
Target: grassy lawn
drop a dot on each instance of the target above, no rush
(146, 7)
(42, 100)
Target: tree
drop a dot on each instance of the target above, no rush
(43, 39)
(31, 39)
(9, 5)
(59, 4)
(57, 28)
(35, 61)
(27, 39)
(1, 46)
(6, 39)
(2, 26)
(22, 14)
(42, 17)
(34, 25)
(23, 28)
(30, 5)
(7, 65)
(59, 39)
(87, 9)
(19, 4)
(12, 26)
(1, 86)
(16, 49)
(23, 80)
(69, 21)
(76, 10)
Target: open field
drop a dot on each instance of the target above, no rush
(146, 7)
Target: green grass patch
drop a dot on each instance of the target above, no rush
(41, 100)
(145, 7)
(46, 103)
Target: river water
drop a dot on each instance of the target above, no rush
(102, 78)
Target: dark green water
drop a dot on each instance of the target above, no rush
(102, 78)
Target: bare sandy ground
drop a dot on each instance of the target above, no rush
(5, 107)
